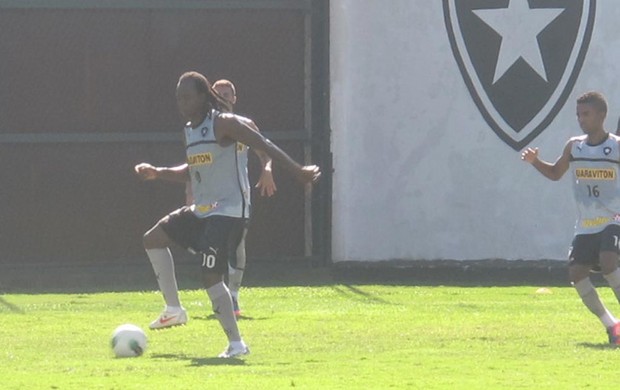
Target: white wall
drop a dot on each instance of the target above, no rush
(419, 174)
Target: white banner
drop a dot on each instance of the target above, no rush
(431, 102)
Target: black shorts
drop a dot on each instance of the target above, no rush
(215, 237)
(586, 247)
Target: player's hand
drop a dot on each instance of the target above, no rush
(529, 155)
(146, 171)
(265, 184)
(309, 174)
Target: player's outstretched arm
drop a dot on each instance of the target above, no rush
(553, 171)
(266, 185)
(148, 172)
(230, 129)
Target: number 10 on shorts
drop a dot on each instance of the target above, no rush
(208, 260)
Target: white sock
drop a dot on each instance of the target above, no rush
(174, 309)
(237, 344)
(163, 265)
(608, 320)
(223, 309)
(590, 298)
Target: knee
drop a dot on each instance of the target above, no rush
(608, 268)
(147, 240)
(211, 279)
(155, 239)
(608, 262)
(577, 274)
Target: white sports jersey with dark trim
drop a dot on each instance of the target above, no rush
(596, 184)
(219, 180)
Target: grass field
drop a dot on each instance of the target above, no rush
(335, 337)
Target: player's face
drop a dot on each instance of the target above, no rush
(190, 102)
(590, 119)
(227, 93)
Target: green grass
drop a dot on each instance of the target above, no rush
(338, 337)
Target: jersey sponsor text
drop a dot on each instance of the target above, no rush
(595, 174)
(200, 159)
(593, 222)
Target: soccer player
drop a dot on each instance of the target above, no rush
(226, 89)
(213, 225)
(593, 159)
(175, 313)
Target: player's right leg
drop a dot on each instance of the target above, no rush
(235, 273)
(583, 257)
(156, 243)
(589, 296)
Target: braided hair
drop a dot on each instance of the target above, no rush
(203, 86)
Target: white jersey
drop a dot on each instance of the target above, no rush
(219, 181)
(596, 183)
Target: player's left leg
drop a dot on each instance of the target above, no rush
(610, 247)
(608, 262)
(214, 249)
(609, 268)
(611, 272)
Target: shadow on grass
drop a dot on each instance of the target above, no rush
(211, 317)
(11, 307)
(350, 291)
(201, 361)
(600, 346)
(137, 275)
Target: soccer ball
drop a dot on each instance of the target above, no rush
(128, 341)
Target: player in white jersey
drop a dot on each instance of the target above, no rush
(213, 225)
(594, 160)
(266, 185)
